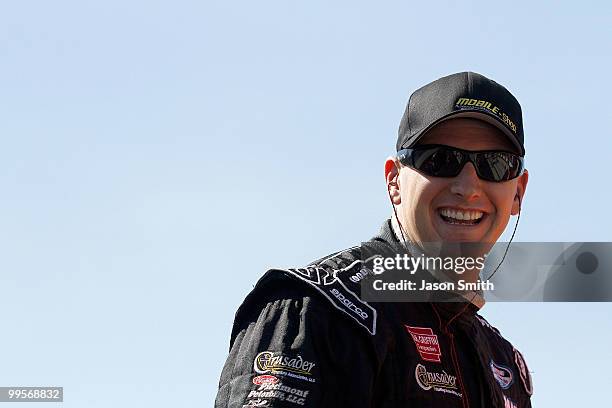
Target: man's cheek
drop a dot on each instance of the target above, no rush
(425, 227)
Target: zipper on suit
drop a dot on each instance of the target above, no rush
(455, 360)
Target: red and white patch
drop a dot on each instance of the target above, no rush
(426, 343)
(265, 380)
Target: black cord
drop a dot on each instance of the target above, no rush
(399, 224)
(511, 238)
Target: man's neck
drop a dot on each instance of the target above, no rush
(474, 297)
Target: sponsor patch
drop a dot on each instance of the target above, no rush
(261, 395)
(523, 371)
(284, 365)
(502, 374)
(265, 379)
(426, 343)
(440, 382)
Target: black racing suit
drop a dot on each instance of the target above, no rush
(303, 338)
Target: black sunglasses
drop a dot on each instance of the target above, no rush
(446, 161)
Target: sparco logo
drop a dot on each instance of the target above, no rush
(350, 305)
(268, 361)
(428, 380)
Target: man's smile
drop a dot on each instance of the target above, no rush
(458, 216)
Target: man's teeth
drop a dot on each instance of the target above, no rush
(461, 215)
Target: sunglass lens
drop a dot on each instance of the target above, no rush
(497, 166)
(438, 161)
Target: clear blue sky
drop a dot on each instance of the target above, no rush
(158, 157)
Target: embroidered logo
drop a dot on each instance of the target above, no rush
(486, 106)
(265, 379)
(440, 382)
(266, 395)
(503, 375)
(284, 365)
(426, 343)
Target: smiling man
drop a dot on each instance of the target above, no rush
(304, 336)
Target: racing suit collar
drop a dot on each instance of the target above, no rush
(386, 233)
(448, 310)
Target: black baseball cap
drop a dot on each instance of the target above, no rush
(465, 94)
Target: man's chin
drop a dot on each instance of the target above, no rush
(460, 233)
(463, 240)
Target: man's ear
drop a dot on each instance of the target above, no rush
(392, 180)
(521, 186)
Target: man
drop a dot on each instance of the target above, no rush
(304, 338)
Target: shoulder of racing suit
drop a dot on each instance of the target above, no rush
(335, 278)
(517, 356)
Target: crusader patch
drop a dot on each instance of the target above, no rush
(269, 362)
(440, 382)
(426, 343)
(503, 375)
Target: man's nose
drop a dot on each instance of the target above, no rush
(466, 184)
